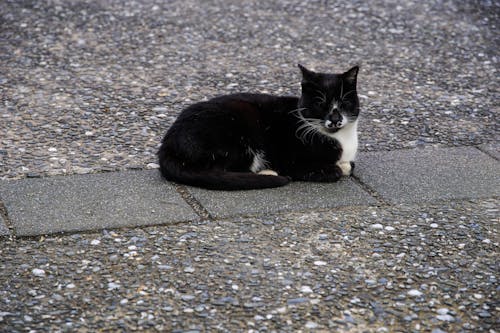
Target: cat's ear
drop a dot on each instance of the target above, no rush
(307, 75)
(351, 75)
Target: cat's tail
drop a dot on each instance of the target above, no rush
(218, 179)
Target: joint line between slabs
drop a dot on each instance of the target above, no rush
(192, 202)
(486, 152)
(372, 192)
(5, 216)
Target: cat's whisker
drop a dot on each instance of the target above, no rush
(309, 127)
(297, 111)
(308, 130)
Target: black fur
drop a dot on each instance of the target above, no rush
(212, 144)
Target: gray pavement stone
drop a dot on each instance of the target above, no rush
(92, 201)
(293, 197)
(424, 175)
(492, 149)
(4, 230)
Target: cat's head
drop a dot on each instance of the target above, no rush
(329, 101)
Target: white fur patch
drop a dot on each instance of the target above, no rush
(345, 167)
(343, 122)
(347, 136)
(259, 162)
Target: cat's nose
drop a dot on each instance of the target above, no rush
(335, 117)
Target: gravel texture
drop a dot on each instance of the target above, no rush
(93, 85)
(431, 268)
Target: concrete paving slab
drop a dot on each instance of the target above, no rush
(492, 149)
(293, 197)
(92, 201)
(4, 230)
(424, 175)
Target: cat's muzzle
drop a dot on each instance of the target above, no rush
(335, 121)
(334, 126)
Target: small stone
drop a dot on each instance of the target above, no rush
(164, 267)
(189, 270)
(484, 314)
(306, 289)
(70, 286)
(80, 170)
(445, 317)
(113, 286)
(38, 272)
(389, 228)
(160, 108)
(95, 242)
(377, 226)
(414, 293)
(434, 225)
(320, 263)
(153, 166)
(311, 325)
(298, 300)
(124, 301)
(442, 311)
(281, 310)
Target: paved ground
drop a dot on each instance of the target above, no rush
(408, 244)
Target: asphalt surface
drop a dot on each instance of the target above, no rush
(91, 86)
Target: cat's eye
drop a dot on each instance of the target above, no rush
(345, 105)
(319, 98)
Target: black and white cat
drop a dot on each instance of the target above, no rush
(252, 141)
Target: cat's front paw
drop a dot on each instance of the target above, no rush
(346, 167)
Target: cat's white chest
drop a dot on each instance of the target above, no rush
(348, 139)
